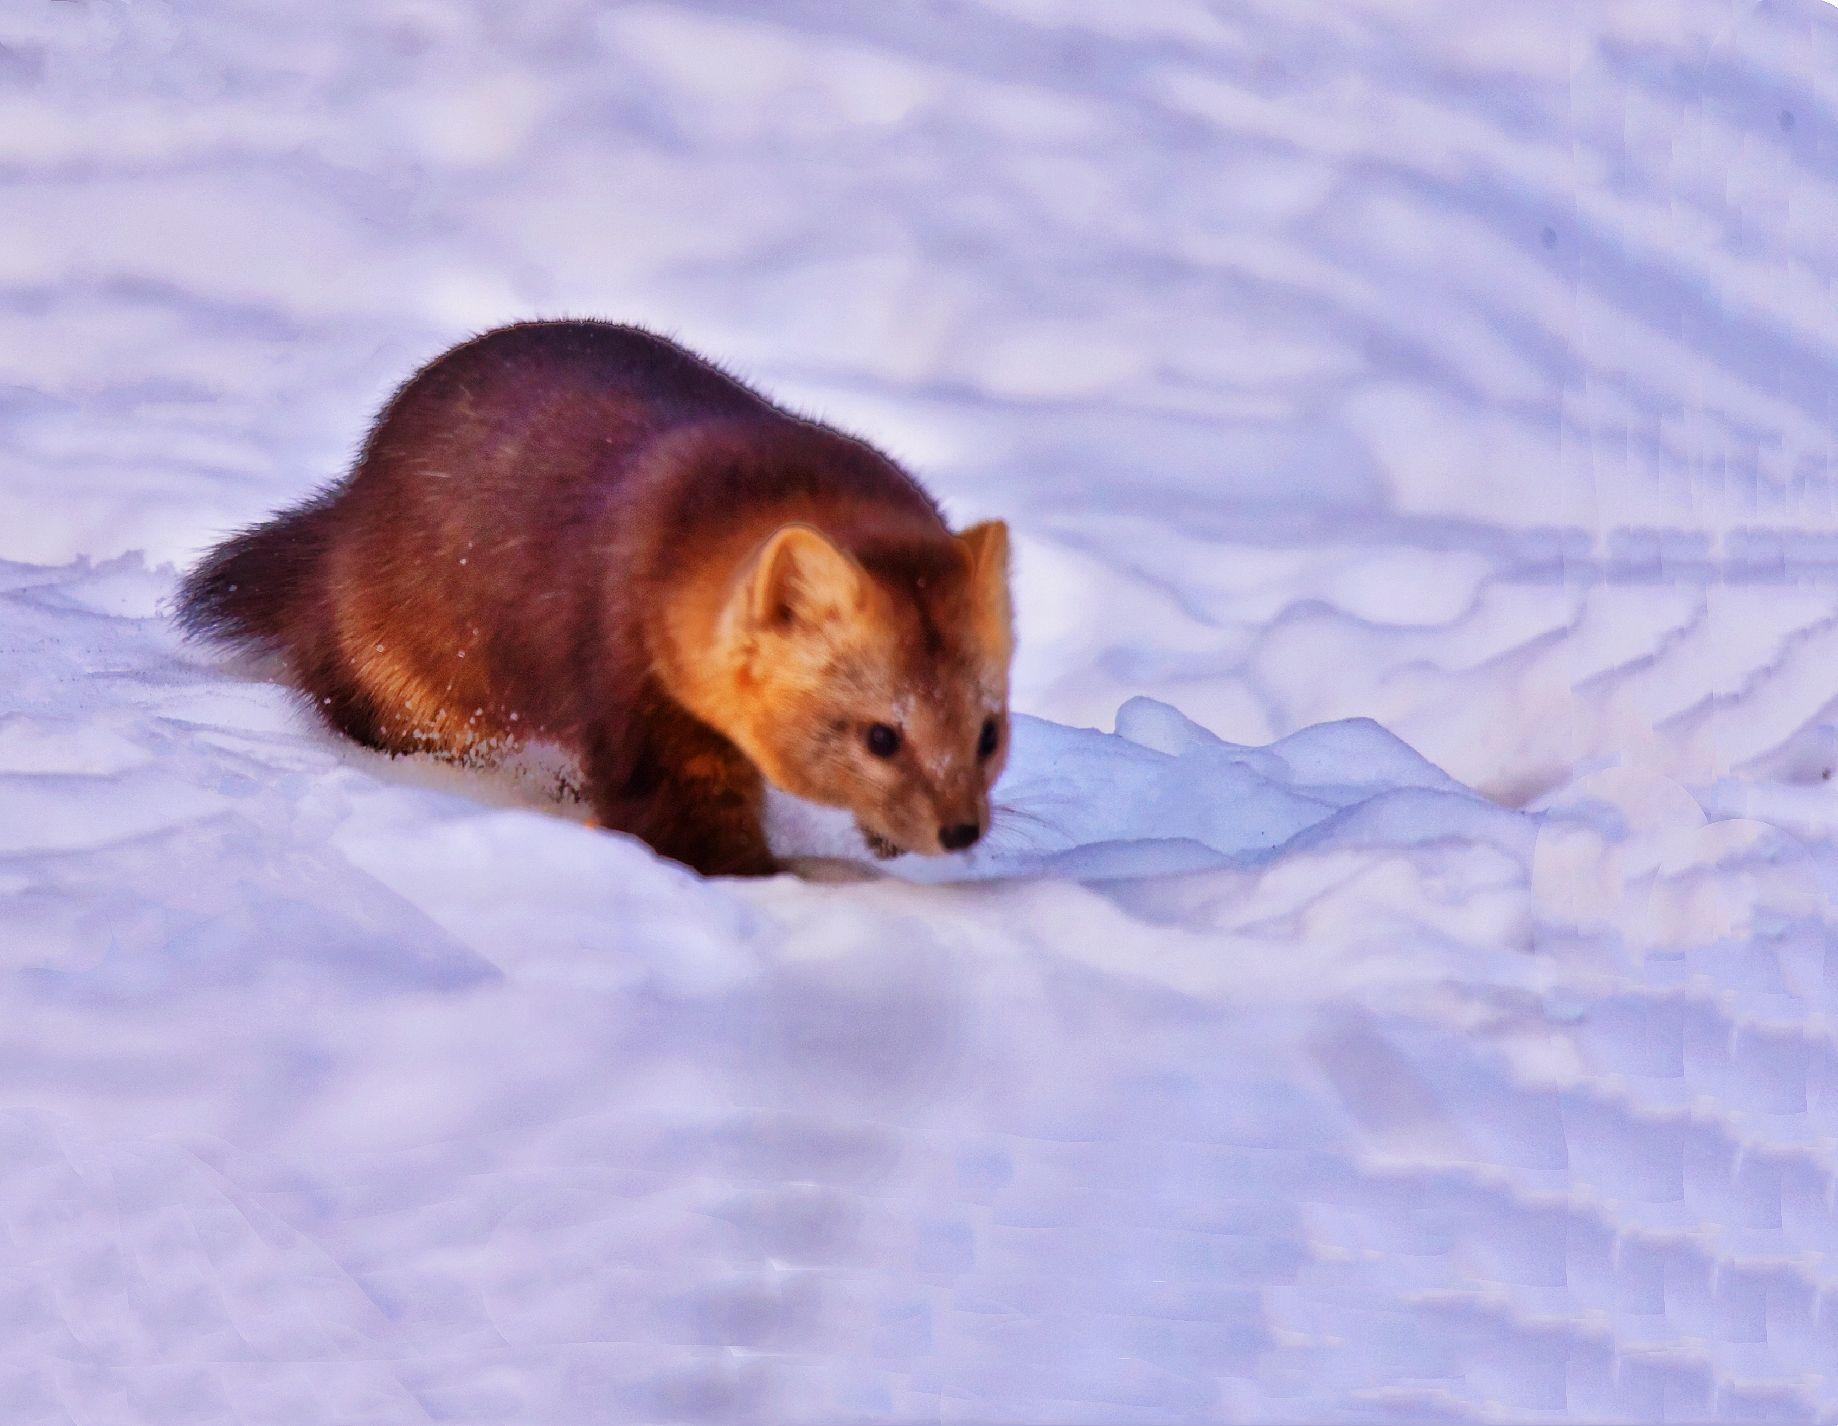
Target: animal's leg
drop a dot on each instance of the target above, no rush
(338, 697)
(687, 792)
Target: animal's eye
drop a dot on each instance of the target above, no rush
(987, 739)
(883, 741)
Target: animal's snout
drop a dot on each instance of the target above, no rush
(955, 836)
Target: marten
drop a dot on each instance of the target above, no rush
(581, 533)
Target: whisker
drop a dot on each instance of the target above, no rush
(1014, 812)
(1018, 829)
(1011, 844)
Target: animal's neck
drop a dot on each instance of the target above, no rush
(691, 647)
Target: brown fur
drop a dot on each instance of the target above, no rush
(581, 533)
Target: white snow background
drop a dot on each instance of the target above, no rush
(1404, 987)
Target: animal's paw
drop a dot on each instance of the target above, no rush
(877, 844)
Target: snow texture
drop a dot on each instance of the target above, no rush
(1417, 420)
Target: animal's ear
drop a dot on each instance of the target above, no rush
(987, 546)
(799, 577)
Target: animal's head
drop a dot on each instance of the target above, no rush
(877, 684)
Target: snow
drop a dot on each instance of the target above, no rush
(1401, 983)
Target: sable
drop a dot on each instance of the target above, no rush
(581, 533)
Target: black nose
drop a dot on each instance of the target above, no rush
(958, 836)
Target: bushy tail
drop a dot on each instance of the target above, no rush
(248, 587)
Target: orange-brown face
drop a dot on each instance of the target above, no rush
(879, 687)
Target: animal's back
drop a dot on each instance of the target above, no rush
(519, 419)
(533, 412)
(514, 370)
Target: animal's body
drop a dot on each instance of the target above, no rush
(582, 533)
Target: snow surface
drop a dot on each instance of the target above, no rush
(1417, 421)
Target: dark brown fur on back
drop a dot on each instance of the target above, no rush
(491, 567)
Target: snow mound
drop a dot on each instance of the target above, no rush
(345, 1087)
